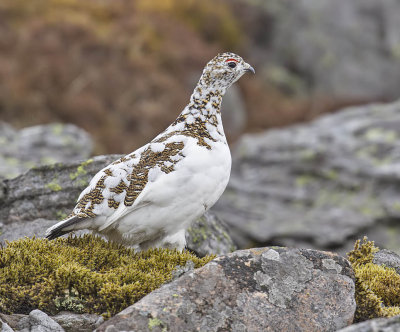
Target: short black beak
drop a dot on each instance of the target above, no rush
(250, 69)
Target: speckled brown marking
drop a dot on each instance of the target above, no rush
(138, 180)
(93, 197)
(148, 160)
(113, 204)
(123, 159)
(197, 130)
(108, 172)
(120, 188)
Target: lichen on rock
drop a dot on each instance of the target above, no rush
(82, 274)
(377, 286)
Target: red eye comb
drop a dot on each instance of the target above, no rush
(230, 60)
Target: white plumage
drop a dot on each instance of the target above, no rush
(149, 197)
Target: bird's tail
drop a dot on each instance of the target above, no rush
(62, 227)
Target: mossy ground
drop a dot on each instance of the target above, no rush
(377, 287)
(82, 274)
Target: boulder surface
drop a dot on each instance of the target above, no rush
(44, 144)
(375, 325)
(338, 49)
(318, 185)
(264, 289)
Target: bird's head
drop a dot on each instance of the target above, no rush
(224, 70)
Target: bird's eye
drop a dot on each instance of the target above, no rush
(232, 64)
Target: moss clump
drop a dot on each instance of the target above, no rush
(155, 322)
(377, 287)
(54, 186)
(82, 274)
(80, 170)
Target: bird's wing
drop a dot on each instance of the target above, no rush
(116, 190)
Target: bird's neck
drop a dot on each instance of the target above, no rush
(201, 118)
(204, 101)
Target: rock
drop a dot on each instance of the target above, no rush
(48, 191)
(328, 46)
(40, 145)
(209, 235)
(72, 322)
(20, 229)
(233, 113)
(265, 289)
(4, 327)
(375, 325)
(69, 321)
(318, 185)
(387, 258)
(38, 321)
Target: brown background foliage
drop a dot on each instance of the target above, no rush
(123, 69)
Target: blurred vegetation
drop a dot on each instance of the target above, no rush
(377, 287)
(82, 274)
(123, 69)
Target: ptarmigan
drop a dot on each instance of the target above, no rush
(149, 197)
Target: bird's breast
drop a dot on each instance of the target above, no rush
(200, 177)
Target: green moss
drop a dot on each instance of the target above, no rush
(80, 169)
(81, 183)
(304, 180)
(366, 204)
(308, 154)
(396, 206)
(57, 129)
(70, 302)
(28, 164)
(372, 153)
(331, 174)
(199, 234)
(82, 274)
(380, 134)
(11, 161)
(47, 160)
(53, 185)
(153, 322)
(61, 215)
(377, 287)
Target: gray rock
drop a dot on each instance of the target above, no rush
(4, 327)
(38, 321)
(318, 185)
(265, 289)
(20, 229)
(375, 325)
(72, 322)
(233, 112)
(339, 49)
(40, 145)
(48, 191)
(69, 321)
(387, 258)
(209, 235)
(11, 320)
(181, 270)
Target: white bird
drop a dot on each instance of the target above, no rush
(150, 197)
